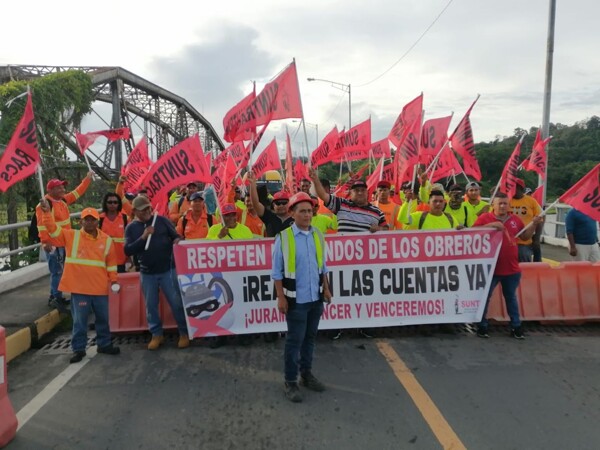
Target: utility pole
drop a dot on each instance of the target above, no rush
(548, 93)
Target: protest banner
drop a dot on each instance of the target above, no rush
(383, 279)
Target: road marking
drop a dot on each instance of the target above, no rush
(37, 402)
(432, 415)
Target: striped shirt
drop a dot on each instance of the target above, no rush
(353, 218)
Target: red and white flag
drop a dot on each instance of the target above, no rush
(446, 166)
(353, 144)
(137, 166)
(85, 140)
(538, 159)
(322, 154)
(300, 173)
(21, 156)
(433, 137)
(411, 112)
(375, 177)
(239, 123)
(462, 143)
(381, 149)
(508, 181)
(407, 154)
(267, 160)
(584, 196)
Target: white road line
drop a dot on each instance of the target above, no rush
(36, 403)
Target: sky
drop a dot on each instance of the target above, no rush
(210, 52)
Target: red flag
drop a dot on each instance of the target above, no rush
(268, 160)
(539, 159)
(239, 123)
(584, 196)
(300, 173)
(411, 113)
(381, 149)
(407, 154)
(208, 158)
(375, 177)
(323, 152)
(462, 143)
(182, 164)
(85, 140)
(353, 144)
(508, 181)
(538, 194)
(446, 166)
(137, 166)
(348, 184)
(290, 182)
(433, 137)
(21, 156)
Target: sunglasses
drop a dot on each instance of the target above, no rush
(281, 202)
(112, 202)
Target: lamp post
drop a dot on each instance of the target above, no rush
(343, 87)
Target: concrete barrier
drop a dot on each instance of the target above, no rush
(22, 276)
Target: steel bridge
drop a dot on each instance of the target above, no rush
(164, 117)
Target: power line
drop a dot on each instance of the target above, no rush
(410, 48)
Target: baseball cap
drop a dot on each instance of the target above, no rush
(456, 187)
(228, 208)
(299, 198)
(473, 185)
(438, 187)
(384, 184)
(54, 182)
(196, 196)
(140, 202)
(90, 212)
(281, 195)
(359, 184)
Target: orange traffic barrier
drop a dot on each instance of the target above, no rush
(127, 309)
(569, 293)
(8, 419)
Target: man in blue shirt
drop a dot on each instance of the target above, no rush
(157, 268)
(582, 233)
(299, 272)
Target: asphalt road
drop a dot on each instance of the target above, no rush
(496, 393)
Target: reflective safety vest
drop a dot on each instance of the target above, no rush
(288, 249)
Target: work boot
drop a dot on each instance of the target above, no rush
(309, 381)
(77, 356)
(156, 342)
(184, 342)
(109, 350)
(292, 392)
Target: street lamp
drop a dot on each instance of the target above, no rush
(343, 87)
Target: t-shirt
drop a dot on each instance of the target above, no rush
(353, 218)
(322, 223)
(431, 222)
(388, 210)
(508, 258)
(274, 225)
(583, 228)
(252, 221)
(526, 208)
(239, 232)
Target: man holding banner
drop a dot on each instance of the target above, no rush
(507, 271)
(300, 293)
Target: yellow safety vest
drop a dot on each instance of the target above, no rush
(288, 249)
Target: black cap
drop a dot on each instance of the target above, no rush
(359, 184)
(196, 196)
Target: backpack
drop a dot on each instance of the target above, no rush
(32, 232)
(209, 219)
(125, 218)
(424, 216)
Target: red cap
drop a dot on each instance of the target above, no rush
(384, 184)
(228, 208)
(54, 182)
(299, 198)
(281, 195)
(520, 183)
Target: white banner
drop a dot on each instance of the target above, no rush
(377, 280)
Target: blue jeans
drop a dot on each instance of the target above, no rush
(509, 285)
(56, 261)
(525, 253)
(302, 323)
(167, 282)
(81, 305)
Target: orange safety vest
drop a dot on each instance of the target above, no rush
(116, 230)
(256, 225)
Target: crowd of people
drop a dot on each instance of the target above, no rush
(127, 236)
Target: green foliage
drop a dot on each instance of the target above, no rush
(573, 151)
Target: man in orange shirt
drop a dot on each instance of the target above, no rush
(385, 204)
(113, 222)
(55, 255)
(90, 266)
(195, 223)
(250, 218)
(180, 207)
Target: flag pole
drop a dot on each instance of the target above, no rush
(153, 222)
(541, 215)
